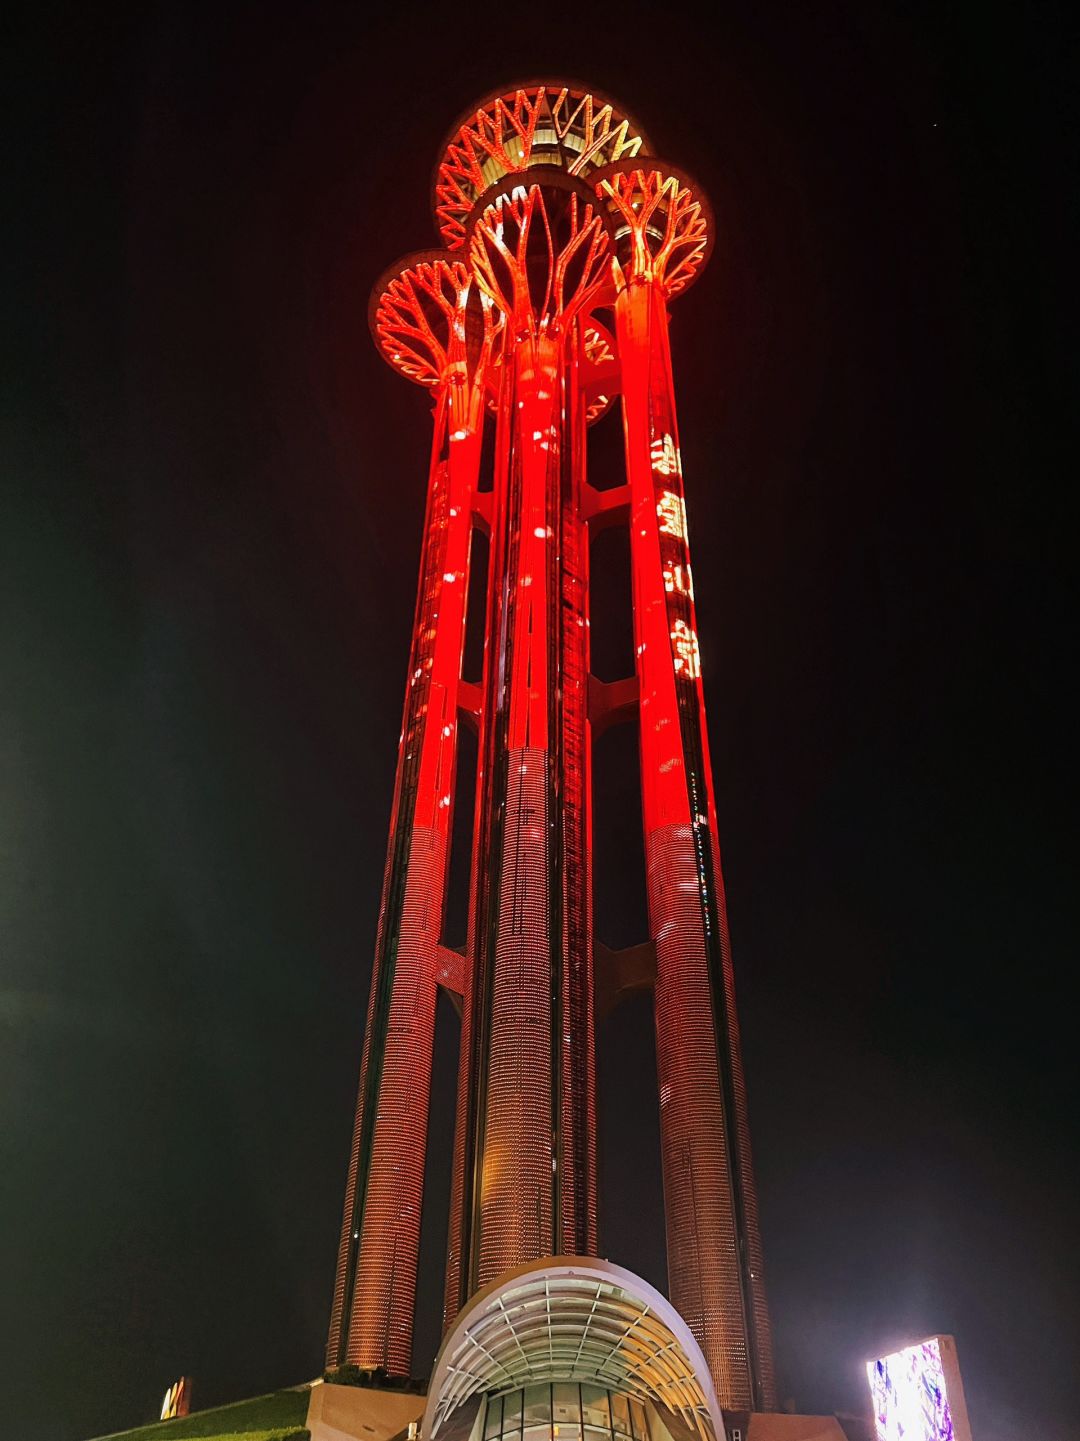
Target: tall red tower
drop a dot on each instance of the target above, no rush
(565, 240)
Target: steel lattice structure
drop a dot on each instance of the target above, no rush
(555, 217)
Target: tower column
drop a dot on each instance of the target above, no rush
(526, 1134)
(713, 1242)
(375, 1283)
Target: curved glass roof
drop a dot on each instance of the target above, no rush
(574, 1319)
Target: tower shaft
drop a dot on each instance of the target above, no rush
(713, 1240)
(525, 1166)
(375, 1284)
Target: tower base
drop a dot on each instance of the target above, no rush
(361, 1413)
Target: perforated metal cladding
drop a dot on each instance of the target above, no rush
(714, 1250)
(528, 1155)
(385, 1284)
(345, 1272)
(483, 877)
(515, 1220)
(372, 1313)
(752, 1228)
(682, 622)
(701, 1230)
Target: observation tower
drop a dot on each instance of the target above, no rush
(563, 241)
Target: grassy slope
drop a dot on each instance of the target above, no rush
(265, 1418)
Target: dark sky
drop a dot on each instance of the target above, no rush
(208, 576)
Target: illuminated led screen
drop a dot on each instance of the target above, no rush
(911, 1402)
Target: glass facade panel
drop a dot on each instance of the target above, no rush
(637, 1417)
(566, 1402)
(565, 1411)
(620, 1415)
(595, 1408)
(537, 1406)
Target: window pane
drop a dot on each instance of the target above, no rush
(567, 1402)
(637, 1414)
(512, 1412)
(493, 1419)
(594, 1406)
(620, 1414)
(537, 1404)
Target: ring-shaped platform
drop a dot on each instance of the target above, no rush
(669, 213)
(413, 307)
(502, 248)
(561, 123)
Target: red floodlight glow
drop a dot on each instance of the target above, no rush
(550, 214)
(424, 319)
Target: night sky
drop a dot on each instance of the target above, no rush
(208, 581)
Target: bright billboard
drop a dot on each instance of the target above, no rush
(917, 1394)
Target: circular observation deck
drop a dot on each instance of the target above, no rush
(661, 219)
(428, 318)
(558, 123)
(540, 249)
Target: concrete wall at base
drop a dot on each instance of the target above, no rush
(780, 1426)
(355, 1413)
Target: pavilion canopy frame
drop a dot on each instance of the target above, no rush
(573, 1318)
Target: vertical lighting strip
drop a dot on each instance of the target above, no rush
(575, 1231)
